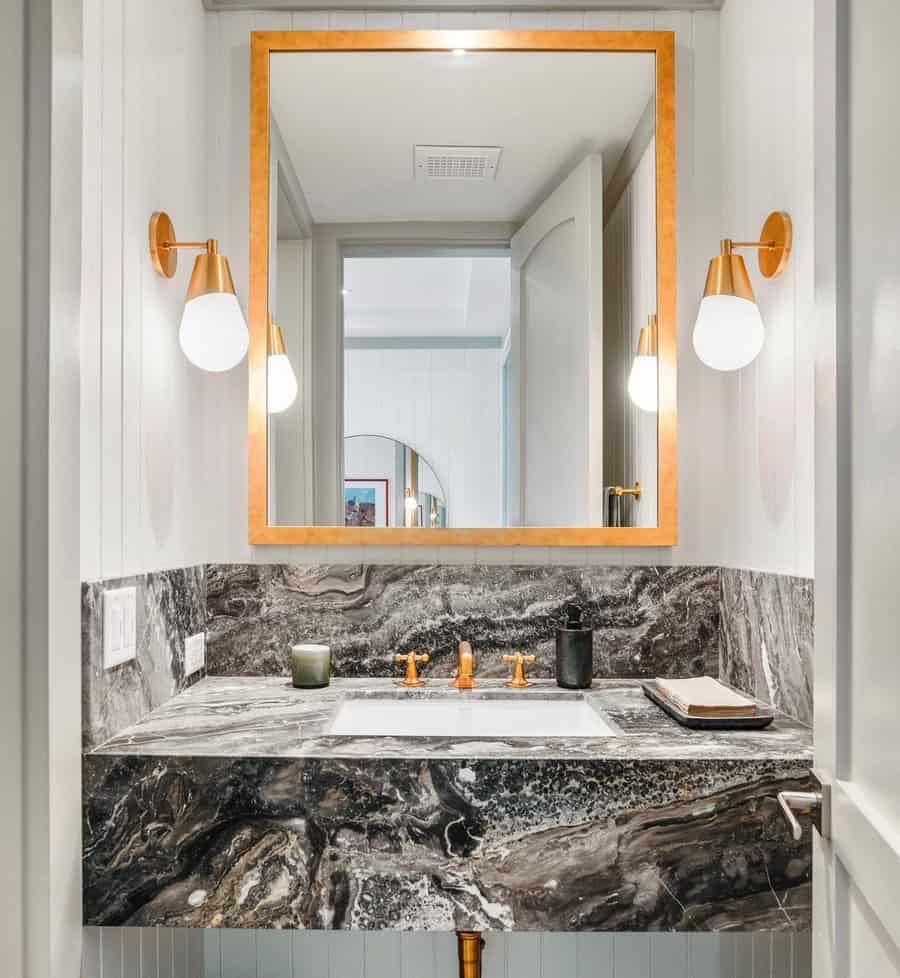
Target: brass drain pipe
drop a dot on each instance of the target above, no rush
(469, 944)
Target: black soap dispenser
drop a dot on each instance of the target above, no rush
(574, 651)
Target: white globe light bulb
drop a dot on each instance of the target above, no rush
(729, 332)
(281, 391)
(213, 333)
(642, 383)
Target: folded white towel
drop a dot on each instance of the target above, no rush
(705, 696)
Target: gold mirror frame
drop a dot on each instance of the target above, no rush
(659, 43)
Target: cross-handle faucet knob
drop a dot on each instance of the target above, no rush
(518, 680)
(412, 675)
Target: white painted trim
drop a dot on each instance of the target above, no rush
(866, 840)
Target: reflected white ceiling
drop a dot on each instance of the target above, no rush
(443, 297)
(351, 121)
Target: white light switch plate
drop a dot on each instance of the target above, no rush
(119, 626)
(194, 653)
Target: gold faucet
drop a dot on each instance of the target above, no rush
(465, 667)
(412, 676)
(518, 680)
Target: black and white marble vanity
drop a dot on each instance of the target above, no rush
(231, 806)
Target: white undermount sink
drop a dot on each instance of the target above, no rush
(516, 716)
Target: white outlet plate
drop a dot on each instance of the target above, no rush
(194, 653)
(119, 626)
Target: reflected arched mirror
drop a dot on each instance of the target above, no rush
(389, 483)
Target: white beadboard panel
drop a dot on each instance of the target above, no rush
(669, 956)
(347, 954)
(416, 955)
(767, 164)
(631, 955)
(523, 956)
(594, 955)
(494, 956)
(165, 952)
(212, 954)
(161, 953)
(131, 952)
(142, 424)
(559, 954)
(238, 953)
(273, 953)
(310, 954)
(382, 953)
(149, 953)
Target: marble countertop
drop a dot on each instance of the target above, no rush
(267, 717)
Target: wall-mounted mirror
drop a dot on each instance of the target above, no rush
(462, 288)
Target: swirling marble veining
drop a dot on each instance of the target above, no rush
(766, 645)
(266, 717)
(170, 606)
(648, 621)
(232, 806)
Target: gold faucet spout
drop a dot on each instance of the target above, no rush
(465, 667)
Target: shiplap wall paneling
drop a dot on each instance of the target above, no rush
(767, 164)
(143, 487)
(161, 953)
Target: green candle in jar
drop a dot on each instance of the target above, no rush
(311, 666)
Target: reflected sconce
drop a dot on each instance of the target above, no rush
(643, 379)
(410, 501)
(281, 389)
(213, 333)
(729, 331)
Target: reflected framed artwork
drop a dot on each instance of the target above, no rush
(366, 503)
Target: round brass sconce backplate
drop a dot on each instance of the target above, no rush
(162, 233)
(779, 232)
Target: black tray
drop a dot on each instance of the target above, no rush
(762, 719)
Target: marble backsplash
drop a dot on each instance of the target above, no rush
(766, 638)
(647, 621)
(171, 605)
(754, 630)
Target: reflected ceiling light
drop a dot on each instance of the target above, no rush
(410, 501)
(345, 291)
(459, 52)
(729, 331)
(281, 388)
(643, 379)
(213, 333)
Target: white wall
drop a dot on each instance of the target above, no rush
(443, 403)
(766, 105)
(703, 521)
(144, 483)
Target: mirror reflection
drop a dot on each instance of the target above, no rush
(389, 483)
(462, 290)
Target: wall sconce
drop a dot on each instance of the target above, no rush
(281, 389)
(729, 331)
(643, 379)
(213, 333)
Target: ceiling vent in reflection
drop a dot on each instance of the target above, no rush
(476, 164)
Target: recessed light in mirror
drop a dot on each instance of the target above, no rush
(459, 52)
